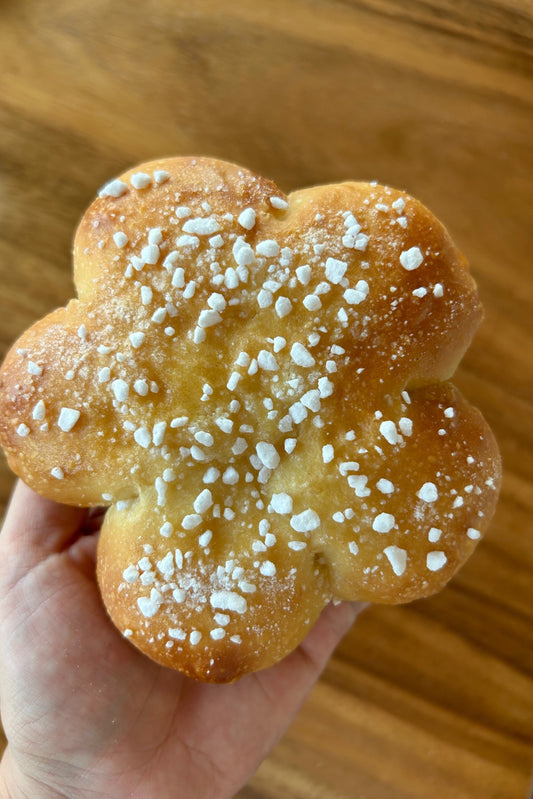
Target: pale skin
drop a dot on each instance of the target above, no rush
(87, 716)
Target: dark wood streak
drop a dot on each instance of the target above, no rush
(503, 24)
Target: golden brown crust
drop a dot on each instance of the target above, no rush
(256, 385)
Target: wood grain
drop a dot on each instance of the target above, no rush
(432, 96)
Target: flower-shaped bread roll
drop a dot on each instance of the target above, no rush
(256, 387)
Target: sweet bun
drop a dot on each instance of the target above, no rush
(256, 385)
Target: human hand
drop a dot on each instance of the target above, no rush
(87, 715)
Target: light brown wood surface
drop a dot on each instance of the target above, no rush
(434, 699)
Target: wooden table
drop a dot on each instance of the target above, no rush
(434, 699)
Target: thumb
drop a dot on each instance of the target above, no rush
(34, 528)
